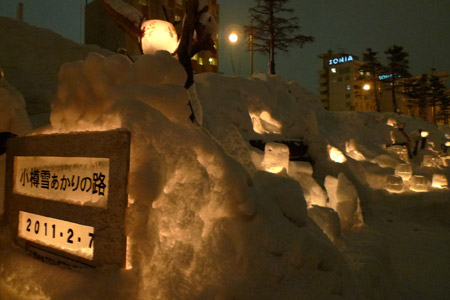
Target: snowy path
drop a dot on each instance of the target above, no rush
(418, 233)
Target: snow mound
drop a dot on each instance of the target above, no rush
(31, 58)
(200, 226)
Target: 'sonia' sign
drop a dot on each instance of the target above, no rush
(340, 60)
(66, 196)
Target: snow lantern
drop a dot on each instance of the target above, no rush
(336, 155)
(158, 35)
(391, 122)
(264, 123)
(439, 181)
(276, 157)
(404, 171)
(352, 151)
(419, 183)
(394, 184)
(432, 161)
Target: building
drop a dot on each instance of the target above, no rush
(342, 87)
(102, 31)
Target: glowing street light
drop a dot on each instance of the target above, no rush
(233, 37)
(366, 87)
(424, 135)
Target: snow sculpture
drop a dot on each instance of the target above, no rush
(336, 155)
(431, 161)
(264, 123)
(276, 157)
(344, 199)
(327, 219)
(158, 35)
(439, 181)
(391, 122)
(419, 184)
(285, 193)
(302, 172)
(404, 171)
(394, 184)
(352, 151)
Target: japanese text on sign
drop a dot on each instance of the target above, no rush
(76, 180)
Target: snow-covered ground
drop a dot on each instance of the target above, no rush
(207, 221)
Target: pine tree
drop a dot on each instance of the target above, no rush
(439, 98)
(420, 93)
(374, 67)
(272, 30)
(398, 67)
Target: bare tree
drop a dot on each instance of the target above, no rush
(272, 29)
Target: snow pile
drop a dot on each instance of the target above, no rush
(13, 118)
(31, 58)
(201, 226)
(13, 115)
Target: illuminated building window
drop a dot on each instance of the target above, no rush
(212, 61)
(333, 70)
(200, 61)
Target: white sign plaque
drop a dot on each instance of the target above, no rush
(68, 236)
(76, 180)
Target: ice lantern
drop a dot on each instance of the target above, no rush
(419, 183)
(336, 155)
(404, 171)
(158, 35)
(394, 184)
(439, 181)
(276, 157)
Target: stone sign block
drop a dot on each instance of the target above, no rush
(66, 196)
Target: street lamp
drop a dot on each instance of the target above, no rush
(233, 37)
(366, 87)
(423, 141)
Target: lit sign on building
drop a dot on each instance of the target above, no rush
(383, 77)
(387, 76)
(66, 195)
(340, 60)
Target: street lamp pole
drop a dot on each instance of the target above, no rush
(251, 47)
(233, 38)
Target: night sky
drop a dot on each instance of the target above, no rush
(422, 27)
